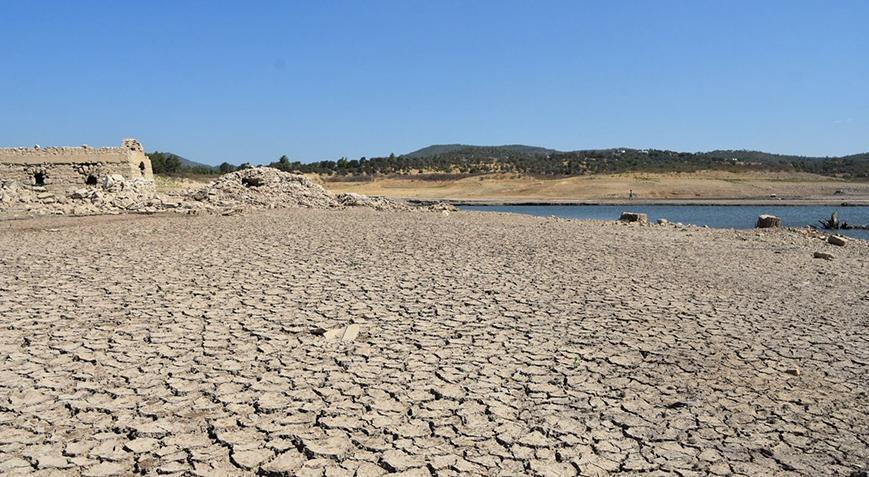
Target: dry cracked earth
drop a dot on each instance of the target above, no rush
(340, 343)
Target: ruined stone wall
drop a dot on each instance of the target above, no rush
(57, 167)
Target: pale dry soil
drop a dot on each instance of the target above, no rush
(702, 186)
(488, 344)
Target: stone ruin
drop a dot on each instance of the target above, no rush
(56, 168)
(229, 194)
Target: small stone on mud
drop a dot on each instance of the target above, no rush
(823, 255)
(637, 217)
(837, 240)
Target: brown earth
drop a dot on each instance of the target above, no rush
(707, 186)
(356, 342)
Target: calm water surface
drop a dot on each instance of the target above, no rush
(719, 216)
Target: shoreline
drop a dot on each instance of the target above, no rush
(672, 202)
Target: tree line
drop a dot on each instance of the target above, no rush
(473, 160)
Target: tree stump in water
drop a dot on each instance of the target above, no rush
(767, 221)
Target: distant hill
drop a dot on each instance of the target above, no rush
(171, 163)
(187, 163)
(456, 160)
(459, 160)
(439, 149)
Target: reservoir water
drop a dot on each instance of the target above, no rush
(718, 216)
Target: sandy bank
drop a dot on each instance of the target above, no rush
(705, 187)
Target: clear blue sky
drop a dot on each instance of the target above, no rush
(248, 81)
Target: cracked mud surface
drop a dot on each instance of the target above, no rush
(487, 344)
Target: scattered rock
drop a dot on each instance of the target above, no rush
(663, 221)
(350, 333)
(232, 212)
(766, 221)
(345, 333)
(444, 207)
(333, 334)
(640, 218)
(837, 240)
(823, 255)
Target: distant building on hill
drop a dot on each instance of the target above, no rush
(68, 166)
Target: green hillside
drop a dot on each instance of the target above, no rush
(456, 160)
(461, 160)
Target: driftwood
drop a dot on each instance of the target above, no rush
(833, 224)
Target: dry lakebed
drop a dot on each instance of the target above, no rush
(358, 342)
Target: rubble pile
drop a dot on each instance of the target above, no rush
(349, 199)
(269, 188)
(263, 188)
(255, 188)
(113, 195)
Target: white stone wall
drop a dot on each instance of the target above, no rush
(74, 166)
